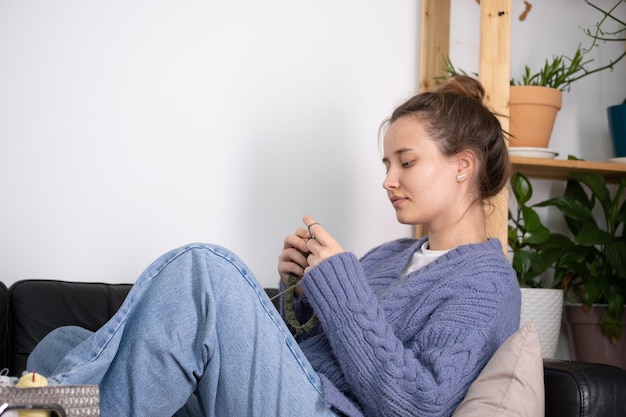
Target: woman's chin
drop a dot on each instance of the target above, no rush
(405, 220)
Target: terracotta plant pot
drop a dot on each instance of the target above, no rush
(587, 340)
(532, 112)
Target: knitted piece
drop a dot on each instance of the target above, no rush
(290, 315)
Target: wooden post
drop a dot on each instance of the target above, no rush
(434, 45)
(435, 42)
(495, 72)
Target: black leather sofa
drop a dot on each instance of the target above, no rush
(30, 309)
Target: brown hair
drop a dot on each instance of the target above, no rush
(457, 120)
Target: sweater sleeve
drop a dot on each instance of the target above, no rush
(426, 370)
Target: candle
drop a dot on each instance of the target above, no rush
(31, 380)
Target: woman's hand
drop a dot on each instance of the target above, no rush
(320, 245)
(304, 249)
(292, 260)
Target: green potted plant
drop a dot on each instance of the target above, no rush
(536, 97)
(534, 250)
(592, 271)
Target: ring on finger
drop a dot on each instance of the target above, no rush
(309, 229)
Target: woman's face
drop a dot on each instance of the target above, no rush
(421, 182)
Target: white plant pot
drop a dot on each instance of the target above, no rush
(544, 307)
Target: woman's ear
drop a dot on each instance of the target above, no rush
(466, 164)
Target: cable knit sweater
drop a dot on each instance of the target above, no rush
(392, 345)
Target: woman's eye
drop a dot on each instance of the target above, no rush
(408, 164)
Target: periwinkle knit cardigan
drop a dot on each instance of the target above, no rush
(389, 345)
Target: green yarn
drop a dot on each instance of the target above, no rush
(290, 315)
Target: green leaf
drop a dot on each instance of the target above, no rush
(591, 235)
(575, 191)
(616, 254)
(558, 241)
(611, 321)
(537, 236)
(522, 262)
(522, 188)
(615, 302)
(574, 260)
(513, 237)
(554, 248)
(593, 292)
(531, 219)
(528, 265)
(598, 187)
(570, 207)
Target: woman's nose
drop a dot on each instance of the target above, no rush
(391, 181)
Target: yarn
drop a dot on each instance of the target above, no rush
(290, 315)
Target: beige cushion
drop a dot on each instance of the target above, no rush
(511, 384)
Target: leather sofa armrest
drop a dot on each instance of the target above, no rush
(4, 325)
(580, 389)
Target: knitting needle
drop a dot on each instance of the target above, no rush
(284, 291)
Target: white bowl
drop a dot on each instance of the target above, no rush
(531, 152)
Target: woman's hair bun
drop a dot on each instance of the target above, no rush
(465, 86)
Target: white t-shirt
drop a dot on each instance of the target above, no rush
(422, 257)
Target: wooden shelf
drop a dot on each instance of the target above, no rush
(560, 169)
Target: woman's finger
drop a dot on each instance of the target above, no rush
(297, 240)
(315, 229)
(320, 245)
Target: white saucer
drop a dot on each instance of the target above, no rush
(620, 160)
(531, 152)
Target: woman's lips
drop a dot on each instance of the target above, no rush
(397, 201)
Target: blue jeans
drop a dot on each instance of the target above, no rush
(196, 330)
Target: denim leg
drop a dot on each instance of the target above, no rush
(54, 347)
(196, 321)
(58, 343)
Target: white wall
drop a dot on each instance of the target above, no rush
(131, 127)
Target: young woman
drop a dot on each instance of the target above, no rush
(401, 332)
